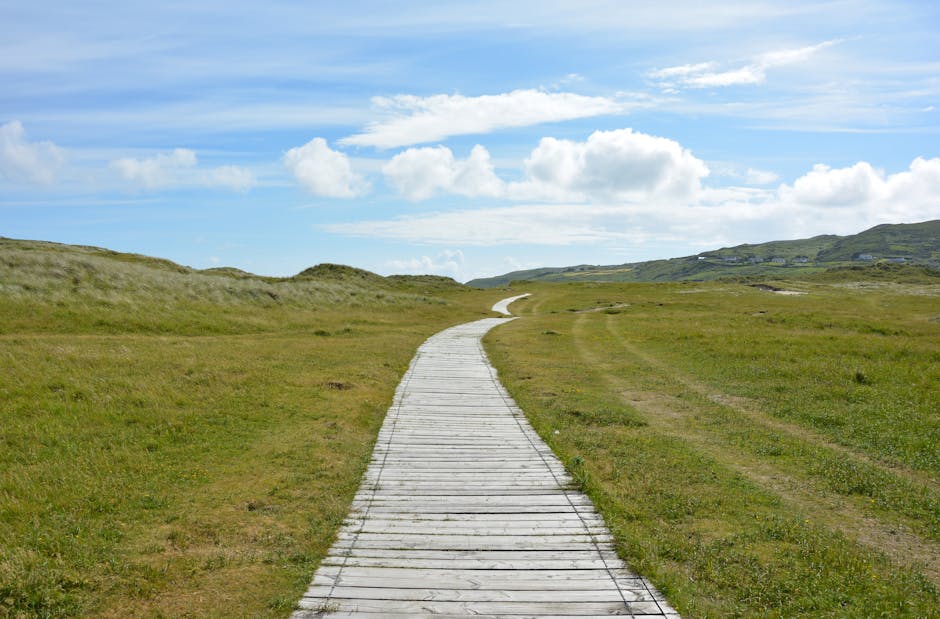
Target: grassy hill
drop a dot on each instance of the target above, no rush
(916, 242)
(909, 243)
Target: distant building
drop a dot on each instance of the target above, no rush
(864, 257)
(731, 258)
(897, 260)
(755, 259)
(801, 259)
(777, 260)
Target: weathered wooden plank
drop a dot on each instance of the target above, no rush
(485, 528)
(558, 593)
(474, 608)
(471, 520)
(476, 578)
(477, 543)
(470, 564)
(471, 580)
(587, 589)
(310, 614)
(535, 555)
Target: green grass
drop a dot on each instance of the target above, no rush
(176, 443)
(181, 443)
(755, 454)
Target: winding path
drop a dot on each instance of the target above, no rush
(464, 511)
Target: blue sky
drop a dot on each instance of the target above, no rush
(463, 138)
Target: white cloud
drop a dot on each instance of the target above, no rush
(823, 201)
(324, 171)
(825, 186)
(448, 262)
(419, 173)
(523, 224)
(682, 70)
(179, 168)
(611, 165)
(760, 177)
(23, 161)
(751, 74)
(233, 177)
(789, 56)
(704, 75)
(415, 120)
(155, 172)
(869, 193)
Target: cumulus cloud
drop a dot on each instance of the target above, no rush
(416, 120)
(419, 173)
(324, 171)
(825, 200)
(611, 165)
(161, 170)
(825, 186)
(706, 75)
(24, 161)
(448, 262)
(868, 192)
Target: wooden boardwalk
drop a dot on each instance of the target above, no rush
(464, 511)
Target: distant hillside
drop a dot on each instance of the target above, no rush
(917, 244)
(105, 283)
(14, 252)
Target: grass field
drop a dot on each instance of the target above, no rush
(185, 444)
(177, 443)
(755, 454)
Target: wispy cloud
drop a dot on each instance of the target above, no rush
(448, 262)
(232, 177)
(416, 120)
(682, 71)
(179, 168)
(25, 161)
(483, 227)
(760, 177)
(157, 171)
(707, 75)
